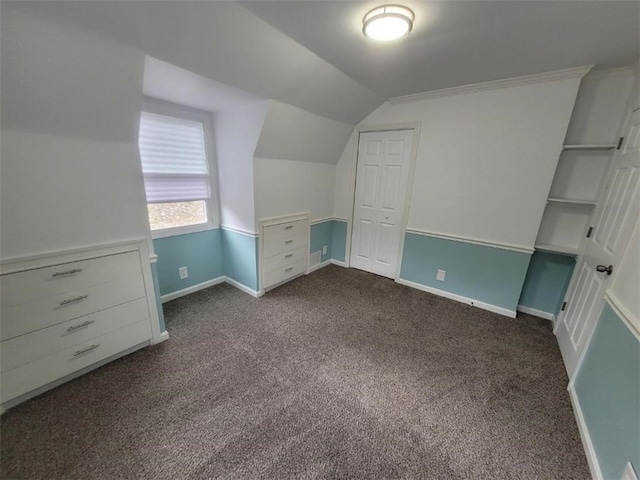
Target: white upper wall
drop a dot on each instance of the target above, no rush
(67, 82)
(285, 187)
(70, 172)
(343, 194)
(291, 133)
(600, 108)
(485, 159)
(236, 134)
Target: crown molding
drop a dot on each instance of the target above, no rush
(610, 72)
(495, 84)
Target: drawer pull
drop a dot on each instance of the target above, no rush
(289, 255)
(85, 350)
(73, 300)
(288, 227)
(288, 269)
(76, 327)
(288, 242)
(67, 272)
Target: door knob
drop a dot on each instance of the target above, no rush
(604, 268)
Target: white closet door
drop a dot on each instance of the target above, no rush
(617, 213)
(381, 185)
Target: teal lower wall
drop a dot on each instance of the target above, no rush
(156, 288)
(240, 258)
(487, 274)
(321, 235)
(200, 252)
(608, 390)
(547, 280)
(333, 234)
(215, 253)
(339, 240)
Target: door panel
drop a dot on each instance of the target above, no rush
(382, 176)
(572, 299)
(613, 220)
(369, 186)
(396, 147)
(385, 243)
(393, 176)
(366, 239)
(590, 297)
(373, 147)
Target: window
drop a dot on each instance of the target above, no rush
(176, 174)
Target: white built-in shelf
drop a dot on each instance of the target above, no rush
(588, 147)
(571, 201)
(547, 247)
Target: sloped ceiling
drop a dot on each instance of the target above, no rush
(224, 42)
(311, 53)
(177, 85)
(456, 43)
(290, 133)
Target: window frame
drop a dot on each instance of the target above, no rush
(158, 107)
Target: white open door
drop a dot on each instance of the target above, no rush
(382, 177)
(614, 219)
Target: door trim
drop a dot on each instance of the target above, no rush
(359, 129)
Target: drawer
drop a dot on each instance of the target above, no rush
(285, 244)
(28, 317)
(284, 259)
(22, 287)
(285, 230)
(45, 342)
(32, 375)
(283, 273)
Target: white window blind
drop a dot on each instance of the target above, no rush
(173, 156)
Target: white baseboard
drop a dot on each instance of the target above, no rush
(318, 266)
(458, 298)
(164, 336)
(339, 263)
(592, 458)
(201, 286)
(244, 288)
(537, 313)
(192, 289)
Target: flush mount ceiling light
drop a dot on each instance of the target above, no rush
(387, 23)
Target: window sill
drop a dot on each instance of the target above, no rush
(174, 232)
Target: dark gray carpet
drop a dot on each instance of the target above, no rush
(339, 374)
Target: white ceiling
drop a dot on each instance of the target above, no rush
(312, 54)
(457, 43)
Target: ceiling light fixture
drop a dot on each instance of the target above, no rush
(387, 23)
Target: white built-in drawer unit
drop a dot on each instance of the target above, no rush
(285, 248)
(58, 317)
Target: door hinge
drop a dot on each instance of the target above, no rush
(620, 143)
(589, 232)
(564, 306)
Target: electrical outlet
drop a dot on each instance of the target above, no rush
(324, 250)
(183, 272)
(440, 275)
